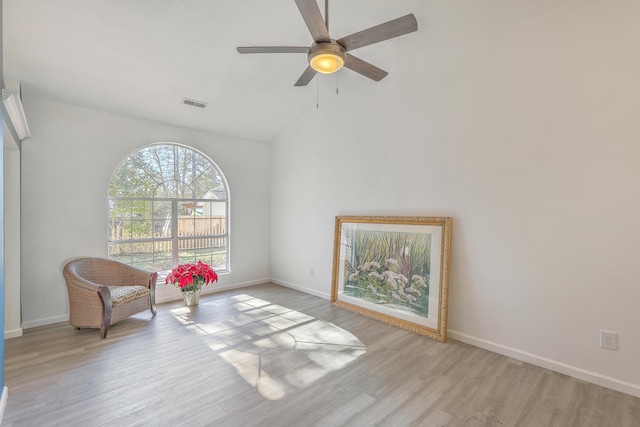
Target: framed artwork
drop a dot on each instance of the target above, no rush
(394, 269)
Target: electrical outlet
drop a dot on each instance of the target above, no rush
(312, 272)
(609, 340)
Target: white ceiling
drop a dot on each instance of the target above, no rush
(140, 58)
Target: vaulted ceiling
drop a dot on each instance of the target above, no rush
(141, 58)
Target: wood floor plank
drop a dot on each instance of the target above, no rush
(271, 356)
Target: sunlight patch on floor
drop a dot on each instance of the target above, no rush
(245, 364)
(275, 349)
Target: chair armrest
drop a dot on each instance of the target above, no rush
(73, 279)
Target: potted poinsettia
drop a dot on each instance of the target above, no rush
(190, 278)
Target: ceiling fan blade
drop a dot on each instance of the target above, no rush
(306, 77)
(394, 28)
(273, 49)
(364, 68)
(313, 18)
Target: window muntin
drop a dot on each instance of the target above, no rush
(168, 205)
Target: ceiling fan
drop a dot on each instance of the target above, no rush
(327, 55)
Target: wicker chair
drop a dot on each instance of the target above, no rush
(102, 292)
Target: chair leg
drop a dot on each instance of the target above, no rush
(103, 330)
(152, 299)
(105, 295)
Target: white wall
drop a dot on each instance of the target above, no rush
(67, 164)
(11, 170)
(520, 121)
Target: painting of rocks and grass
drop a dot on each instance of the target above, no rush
(389, 268)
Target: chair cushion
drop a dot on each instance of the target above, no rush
(123, 294)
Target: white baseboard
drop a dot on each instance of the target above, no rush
(28, 324)
(3, 402)
(301, 289)
(14, 333)
(217, 288)
(553, 365)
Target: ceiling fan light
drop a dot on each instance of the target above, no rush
(326, 63)
(327, 58)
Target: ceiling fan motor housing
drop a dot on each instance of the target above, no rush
(327, 57)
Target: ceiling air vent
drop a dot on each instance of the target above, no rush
(194, 103)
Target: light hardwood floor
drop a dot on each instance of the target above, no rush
(271, 356)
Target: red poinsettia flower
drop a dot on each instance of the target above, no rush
(191, 275)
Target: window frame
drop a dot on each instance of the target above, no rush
(174, 238)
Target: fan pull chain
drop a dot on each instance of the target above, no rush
(337, 77)
(317, 92)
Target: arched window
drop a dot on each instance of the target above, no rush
(168, 205)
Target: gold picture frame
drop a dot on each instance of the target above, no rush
(394, 269)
